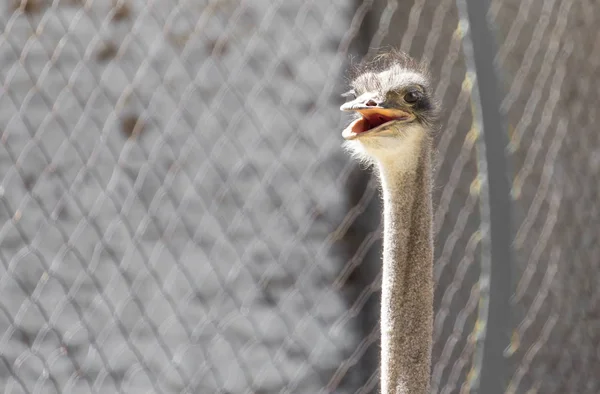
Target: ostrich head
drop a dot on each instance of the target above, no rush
(393, 106)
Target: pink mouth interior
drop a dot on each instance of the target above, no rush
(370, 121)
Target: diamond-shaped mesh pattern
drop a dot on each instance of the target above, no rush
(176, 213)
(549, 55)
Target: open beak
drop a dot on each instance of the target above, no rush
(373, 117)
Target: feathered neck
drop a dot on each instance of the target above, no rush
(407, 285)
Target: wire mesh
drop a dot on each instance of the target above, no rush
(178, 216)
(549, 54)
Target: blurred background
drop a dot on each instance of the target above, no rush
(177, 214)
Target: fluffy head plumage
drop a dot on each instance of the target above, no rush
(392, 100)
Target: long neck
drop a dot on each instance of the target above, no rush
(407, 285)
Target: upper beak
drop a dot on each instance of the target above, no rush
(361, 103)
(368, 107)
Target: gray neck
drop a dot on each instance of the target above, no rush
(407, 285)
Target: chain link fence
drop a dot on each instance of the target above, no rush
(549, 56)
(177, 215)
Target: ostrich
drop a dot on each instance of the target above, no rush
(395, 113)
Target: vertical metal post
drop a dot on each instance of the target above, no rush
(490, 374)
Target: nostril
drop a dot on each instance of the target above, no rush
(371, 103)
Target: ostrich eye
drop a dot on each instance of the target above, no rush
(412, 97)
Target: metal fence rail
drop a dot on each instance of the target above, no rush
(176, 214)
(491, 368)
